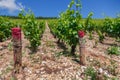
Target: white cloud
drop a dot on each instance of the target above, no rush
(10, 5)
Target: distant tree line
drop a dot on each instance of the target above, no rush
(13, 17)
(39, 17)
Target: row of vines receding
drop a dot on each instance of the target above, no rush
(32, 29)
(70, 22)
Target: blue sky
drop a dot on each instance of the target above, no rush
(52, 8)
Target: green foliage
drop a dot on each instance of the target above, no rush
(32, 29)
(13, 78)
(101, 36)
(53, 27)
(10, 46)
(113, 68)
(114, 50)
(5, 28)
(68, 25)
(89, 25)
(112, 27)
(90, 36)
(91, 72)
(2, 36)
(114, 78)
(116, 28)
(41, 27)
(108, 26)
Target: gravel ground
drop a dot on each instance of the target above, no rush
(46, 64)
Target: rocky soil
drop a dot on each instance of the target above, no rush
(51, 61)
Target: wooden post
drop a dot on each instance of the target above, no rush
(17, 49)
(82, 47)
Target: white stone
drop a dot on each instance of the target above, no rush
(100, 70)
(78, 73)
(37, 72)
(83, 68)
(77, 77)
(106, 73)
(43, 62)
(91, 59)
(42, 53)
(29, 71)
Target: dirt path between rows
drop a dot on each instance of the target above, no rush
(43, 65)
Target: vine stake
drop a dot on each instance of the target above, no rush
(17, 49)
(82, 47)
